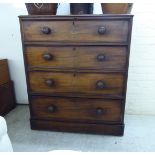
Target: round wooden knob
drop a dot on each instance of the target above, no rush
(49, 82)
(101, 57)
(100, 85)
(48, 56)
(51, 108)
(46, 30)
(99, 111)
(101, 30)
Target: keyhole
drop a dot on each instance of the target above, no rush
(74, 74)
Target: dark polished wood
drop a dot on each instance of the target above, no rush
(7, 98)
(109, 129)
(7, 95)
(4, 71)
(76, 31)
(76, 70)
(50, 82)
(76, 109)
(82, 57)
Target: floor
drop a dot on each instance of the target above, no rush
(139, 136)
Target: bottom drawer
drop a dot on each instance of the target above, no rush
(76, 109)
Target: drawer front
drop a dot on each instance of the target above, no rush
(76, 109)
(79, 31)
(91, 57)
(55, 82)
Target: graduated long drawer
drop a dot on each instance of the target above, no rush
(79, 57)
(76, 109)
(107, 30)
(73, 82)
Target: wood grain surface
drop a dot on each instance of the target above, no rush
(76, 109)
(91, 57)
(4, 71)
(76, 82)
(76, 31)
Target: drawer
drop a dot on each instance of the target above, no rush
(57, 82)
(76, 109)
(81, 57)
(76, 31)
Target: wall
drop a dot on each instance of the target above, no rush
(141, 80)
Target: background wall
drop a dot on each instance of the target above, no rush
(141, 80)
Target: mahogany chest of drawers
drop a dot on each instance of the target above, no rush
(7, 95)
(76, 69)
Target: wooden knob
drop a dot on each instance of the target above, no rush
(51, 108)
(99, 111)
(46, 30)
(100, 85)
(101, 30)
(49, 82)
(101, 57)
(48, 56)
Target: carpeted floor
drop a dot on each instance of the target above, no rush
(139, 136)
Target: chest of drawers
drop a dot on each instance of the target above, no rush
(76, 70)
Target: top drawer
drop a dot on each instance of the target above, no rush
(114, 31)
